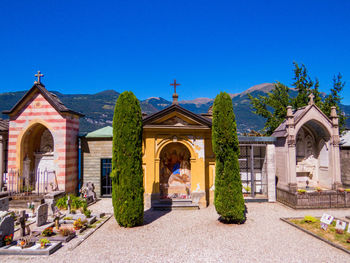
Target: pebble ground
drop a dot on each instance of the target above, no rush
(197, 236)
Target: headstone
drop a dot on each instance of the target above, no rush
(22, 223)
(326, 220)
(88, 192)
(41, 214)
(7, 226)
(341, 225)
(4, 204)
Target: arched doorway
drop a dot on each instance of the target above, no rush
(312, 156)
(175, 172)
(37, 157)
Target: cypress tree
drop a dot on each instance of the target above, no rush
(127, 172)
(228, 197)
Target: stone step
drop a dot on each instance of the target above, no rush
(175, 205)
(173, 201)
(17, 204)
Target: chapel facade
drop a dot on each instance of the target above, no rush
(42, 143)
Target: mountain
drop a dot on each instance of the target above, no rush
(99, 108)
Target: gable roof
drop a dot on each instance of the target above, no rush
(50, 97)
(105, 132)
(281, 130)
(148, 120)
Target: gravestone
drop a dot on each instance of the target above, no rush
(341, 225)
(7, 227)
(88, 192)
(4, 204)
(41, 214)
(22, 222)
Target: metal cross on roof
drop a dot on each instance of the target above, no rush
(38, 75)
(311, 97)
(175, 84)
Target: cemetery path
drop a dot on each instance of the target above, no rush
(197, 236)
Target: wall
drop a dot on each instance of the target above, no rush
(64, 129)
(93, 150)
(345, 165)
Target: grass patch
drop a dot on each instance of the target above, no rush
(330, 234)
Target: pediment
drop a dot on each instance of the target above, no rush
(176, 116)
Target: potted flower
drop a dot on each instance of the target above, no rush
(247, 190)
(44, 242)
(301, 191)
(8, 239)
(319, 189)
(78, 224)
(47, 232)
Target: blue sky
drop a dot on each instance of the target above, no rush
(208, 46)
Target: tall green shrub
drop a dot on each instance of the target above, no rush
(127, 172)
(228, 198)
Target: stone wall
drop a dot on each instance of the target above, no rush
(92, 152)
(345, 165)
(324, 199)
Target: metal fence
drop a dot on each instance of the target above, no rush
(34, 183)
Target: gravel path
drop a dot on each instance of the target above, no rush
(197, 236)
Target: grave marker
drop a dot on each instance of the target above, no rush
(7, 227)
(41, 214)
(341, 225)
(4, 204)
(326, 220)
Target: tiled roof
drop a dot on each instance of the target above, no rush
(50, 97)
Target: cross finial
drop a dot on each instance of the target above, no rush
(175, 84)
(311, 97)
(175, 96)
(38, 75)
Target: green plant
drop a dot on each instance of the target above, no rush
(78, 224)
(301, 191)
(8, 239)
(76, 202)
(27, 188)
(47, 232)
(66, 231)
(247, 189)
(44, 242)
(228, 197)
(310, 219)
(127, 172)
(68, 218)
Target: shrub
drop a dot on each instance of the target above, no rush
(310, 219)
(77, 202)
(65, 231)
(228, 197)
(127, 172)
(301, 191)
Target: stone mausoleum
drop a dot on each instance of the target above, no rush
(42, 143)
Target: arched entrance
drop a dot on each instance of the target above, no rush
(37, 157)
(175, 171)
(312, 156)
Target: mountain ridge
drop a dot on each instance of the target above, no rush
(98, 108)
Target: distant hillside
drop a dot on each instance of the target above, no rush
(98, 108)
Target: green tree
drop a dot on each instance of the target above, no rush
(304, 86)
(272, 107)
(127, 172)
(228, 197)
(334, 99)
